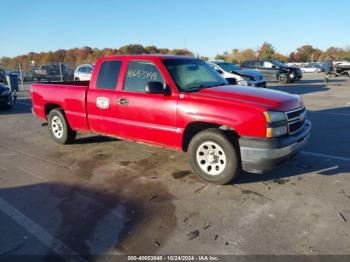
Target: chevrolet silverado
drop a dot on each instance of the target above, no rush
(180, 103)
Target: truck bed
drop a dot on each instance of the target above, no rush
(68, 95)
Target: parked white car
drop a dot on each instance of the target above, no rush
(243, 77)
(83, 72)
(311, 69)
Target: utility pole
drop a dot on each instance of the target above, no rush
(60, 71)
(21, 76)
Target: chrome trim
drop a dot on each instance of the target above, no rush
(296, 131)
(300, 118)
(249, 154)
(303, 109)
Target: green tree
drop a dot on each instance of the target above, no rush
(151, 49)
(239, 56)
(307, 53)
(220, 57)
(266, 51)
(132, 49)
(183, 52)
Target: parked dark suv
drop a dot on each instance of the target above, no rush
(274, 70)
(52, 72)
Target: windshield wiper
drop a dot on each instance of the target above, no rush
(220, 84)
(198, 88)
(193, 89)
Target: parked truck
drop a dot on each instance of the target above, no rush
(180, 103)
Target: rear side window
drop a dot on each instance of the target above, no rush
(108, 75)
(139, 74)
(248, 64)
(257, 64)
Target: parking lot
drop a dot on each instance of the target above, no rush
(103, 196)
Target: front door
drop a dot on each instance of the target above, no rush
(144, 116)
(269, 70)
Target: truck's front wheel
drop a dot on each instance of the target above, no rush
(283, 79)
(59, 127)
(214, 157)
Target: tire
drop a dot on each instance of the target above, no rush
(59, 128)
(224, 166)
(11, 102)
(283, 79)
(76, 79)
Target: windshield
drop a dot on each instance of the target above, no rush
(193, 74)
(278, 63)
(228, 67)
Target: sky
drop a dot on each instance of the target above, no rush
(206, 27)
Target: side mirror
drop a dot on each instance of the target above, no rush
(155, 88)
(274, 67)
(220, 71)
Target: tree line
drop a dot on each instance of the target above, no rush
(84, 55)
(76, 56)
(305, 53)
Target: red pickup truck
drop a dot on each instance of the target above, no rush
(180, 103)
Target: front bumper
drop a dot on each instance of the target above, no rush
(261, 155)
(257, 83)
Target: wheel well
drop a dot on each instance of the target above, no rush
(50, 107)
(194, 128)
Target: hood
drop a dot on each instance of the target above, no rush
(260, 97)
(248, 72)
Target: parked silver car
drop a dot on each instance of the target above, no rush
(83, 72)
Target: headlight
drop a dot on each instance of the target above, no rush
(274, 116)
(247, 78)
(243, 83)
(5, 93)
(276, 123)
(276, 131)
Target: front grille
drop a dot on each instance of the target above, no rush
(295, 127)
(296, 120)
(292, 115)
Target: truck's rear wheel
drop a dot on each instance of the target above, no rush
(59, 127)
(214, 157)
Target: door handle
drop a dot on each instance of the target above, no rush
(122, 101)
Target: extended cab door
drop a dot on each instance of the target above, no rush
(143, 116)
(101, 101)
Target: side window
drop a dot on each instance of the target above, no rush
(268, 64)
(108, 75)
(257, 64)
(88, 70)
(250, 64)
(139, 74)
(81, 70)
